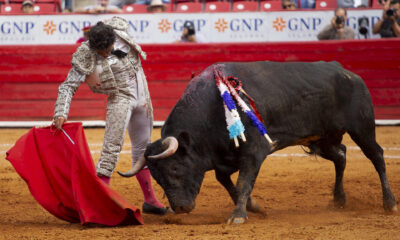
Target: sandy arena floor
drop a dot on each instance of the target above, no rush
(293, 189)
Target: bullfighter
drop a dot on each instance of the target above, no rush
(109, 63)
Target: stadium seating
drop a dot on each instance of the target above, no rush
(34, 1)
(375, 4)
(40, 6)
(135, 8)
(325, 4)
(189, 7)
(274, 5)
(55, 2)
(45, 8)
(217, 7)
(11, 8)
(242, 6)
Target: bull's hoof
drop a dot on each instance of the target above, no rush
(339, 201)
(392, 209)
(389, 204)
(252, 206)
(236, 220)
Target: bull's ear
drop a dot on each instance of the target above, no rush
(184, 139)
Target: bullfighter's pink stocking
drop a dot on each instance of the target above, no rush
(105, 179)
(144, 179)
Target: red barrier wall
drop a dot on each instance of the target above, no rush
(30, 75)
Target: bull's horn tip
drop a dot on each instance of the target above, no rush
(123, 174)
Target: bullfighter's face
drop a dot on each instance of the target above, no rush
(106, 52)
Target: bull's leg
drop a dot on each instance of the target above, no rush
(337, 154)
(226, 181)
(245, 182)
(374, 152)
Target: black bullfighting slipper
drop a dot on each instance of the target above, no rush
(150, 209)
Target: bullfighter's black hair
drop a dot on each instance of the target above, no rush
(101, 36)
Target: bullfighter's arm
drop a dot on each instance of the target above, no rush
(66, 91)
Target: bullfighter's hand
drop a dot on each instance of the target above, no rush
(58, 122)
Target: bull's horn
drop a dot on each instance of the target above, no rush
(135, 169)
(170, 144)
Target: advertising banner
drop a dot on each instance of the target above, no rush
(167, 27)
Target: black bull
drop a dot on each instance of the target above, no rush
(309, 104)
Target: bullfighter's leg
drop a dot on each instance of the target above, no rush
(374, 152)
(226, 181)
(139, 129)
(117, 113)
(337, 154)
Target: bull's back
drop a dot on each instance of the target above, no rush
(306, 98)
(291, 97)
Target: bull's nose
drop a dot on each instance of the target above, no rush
(185, 209)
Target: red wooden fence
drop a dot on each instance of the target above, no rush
(30, 75)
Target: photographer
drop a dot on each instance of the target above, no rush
(337, 29)
(189, 33)
(389, 25)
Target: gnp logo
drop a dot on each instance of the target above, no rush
(239, 25)
(221, 25)
(297, 24)
(49, 27)
(64, 27)
(177, 25)
(139, 25)
(164, 25)
(16, 28)
(279, 24)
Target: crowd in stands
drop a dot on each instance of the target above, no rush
(387, 26)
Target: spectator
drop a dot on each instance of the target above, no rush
(85, 36)
(289, 5)
(68, 5)
(67, 10)
(189, 33)
(389, 25)
(101, 7)
(27, 7)
(305, 4)
(121, 3)
(156, 6)
(337, 29)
